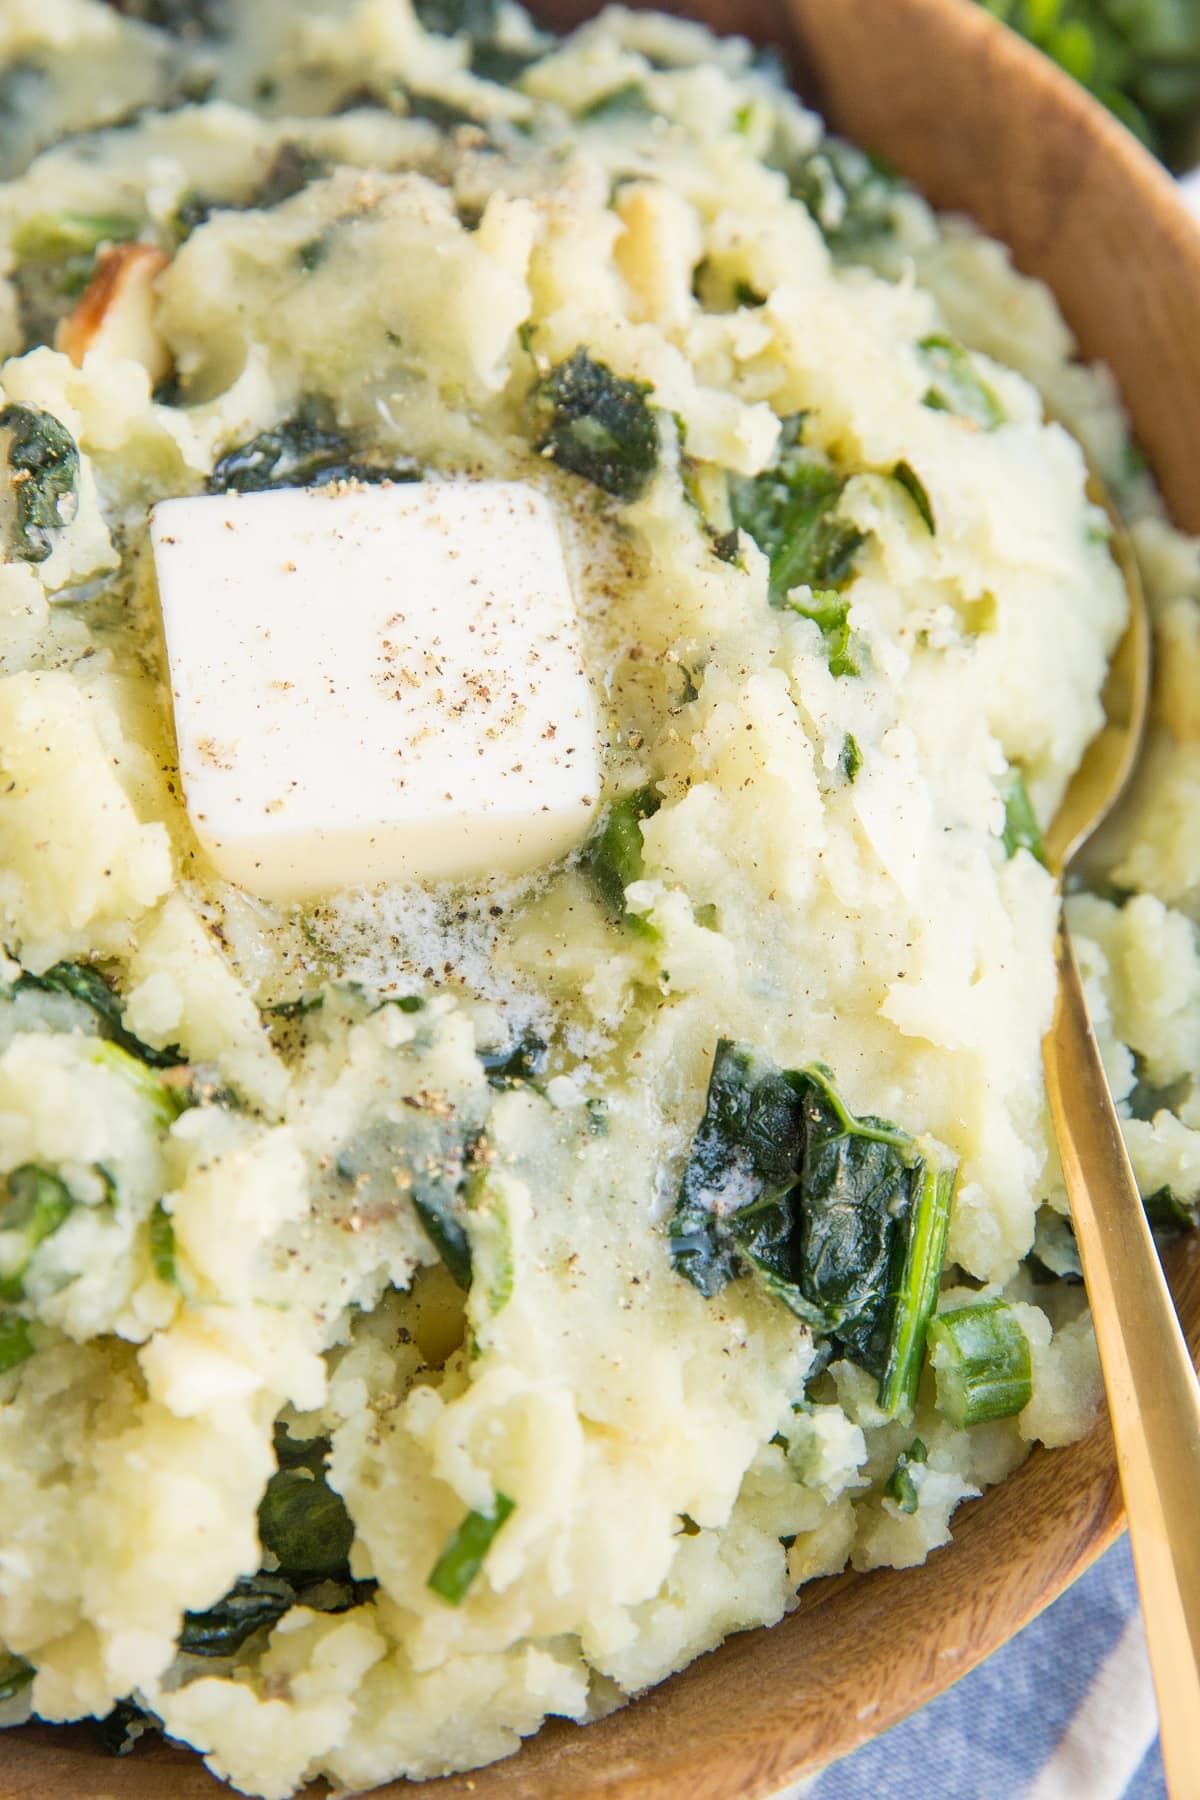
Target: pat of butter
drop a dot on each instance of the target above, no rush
(375, 684)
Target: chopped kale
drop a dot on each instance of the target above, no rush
(43, 464)
(86, 984)
(251, 1604)
(304, 1524)
(851, 195)
(523, 1059)
(307, 450)
(850, 759)
(597, 425)
(840, 1217)
(462, 1556)
(982, 1362)
(15, 1674)
(1021, 828)
(35, 1205)
(124, 1726)
(16, 1341)
(613, 857)
(790, 511)
(900, 1485)
(1169, 1214)
(914, 487)
(956, 385)
(430, 1167)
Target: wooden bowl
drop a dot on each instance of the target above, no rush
(982, 124)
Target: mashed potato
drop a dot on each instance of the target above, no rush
(388, 1361)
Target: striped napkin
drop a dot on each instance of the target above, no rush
(1065, 1711)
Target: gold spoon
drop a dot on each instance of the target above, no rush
(1153, 1393)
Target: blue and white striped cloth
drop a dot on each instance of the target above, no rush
(1065, 1711)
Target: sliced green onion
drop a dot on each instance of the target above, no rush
(982, 1361)
(465, 1549)
(920, 1279)
(1021, 829)
(914, 487)
(162, 1245)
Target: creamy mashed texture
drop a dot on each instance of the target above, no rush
(401, 1341)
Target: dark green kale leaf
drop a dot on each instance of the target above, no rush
(251, 1603)
(613, 858)
(15, 1674)
(598, 425)
(790, 511)
(305, 1526)
(427, 1165)
(522, 1060)
(840, 1217)
(86, 984)
(122, 1728)
(626, 102)
(16, 1341)
(307, 450)
(43, 465)
(1169, 1214)
(744, 1160)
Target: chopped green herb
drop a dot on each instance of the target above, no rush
(956, 385)
(305, 1526)
(162, 1245)
(900, 1485)
(43, 466)
(296, 1009)
(840, 1217)
(251, 1604)
(15, 1674)
(982, 1361)
(462, 1557)
(16, 1342)
(307, 450)
(850, 759)
(36, 1204)
(914, 487)
(790, 511)
(613, 859)
(597, 425)
(1021, 828)
(87, 985)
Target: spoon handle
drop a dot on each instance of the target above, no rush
(1153, 1393)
